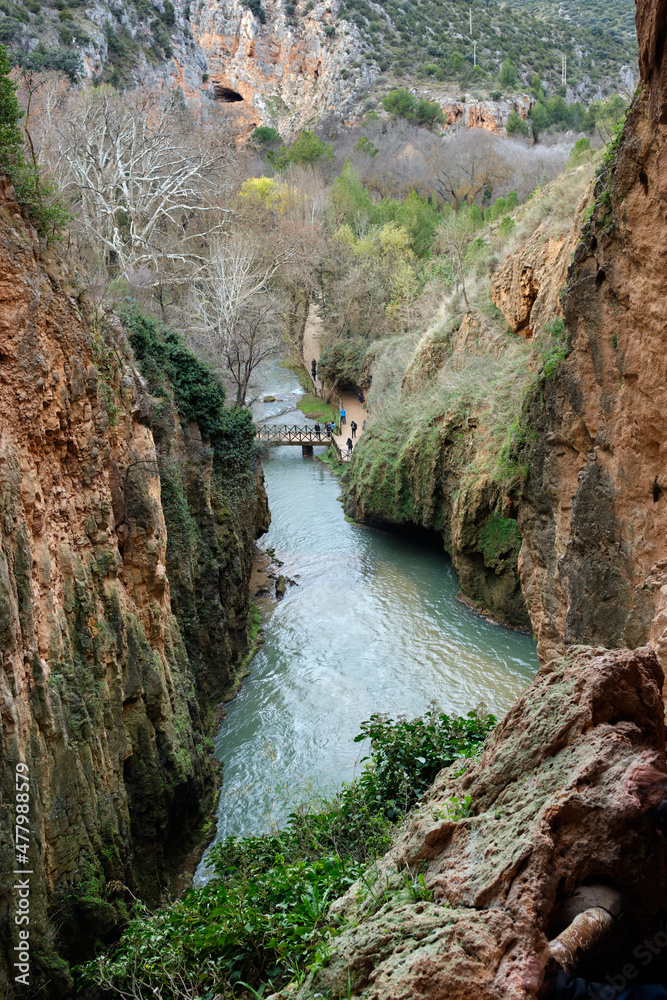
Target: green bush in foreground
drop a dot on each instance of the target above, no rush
(264, 919)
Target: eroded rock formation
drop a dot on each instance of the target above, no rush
(527, 286)
(288, 71)
(99, 695)
(489, 115)
(594, 511)
(562, 796)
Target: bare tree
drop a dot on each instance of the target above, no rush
(453, 238)
(236, 307)
(146, 179)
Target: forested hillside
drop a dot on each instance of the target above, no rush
(483, 45)
(434, 39)
(615, 17)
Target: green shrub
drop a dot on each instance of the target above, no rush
(168, 14)
(516, 125)
(403, 104)
(62, 60)
(264, 135)
(539, 117)
(507, 227)
(507, 76)
(365, 145)
(306, 149)
(168, 365)
(38, 198)
(579, 153)
(264, 918)
(11, 113)
(340, 365)
(255, 6)
(406, 756)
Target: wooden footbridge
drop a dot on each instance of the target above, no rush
(293, 434)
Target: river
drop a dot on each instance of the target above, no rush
(372, 624)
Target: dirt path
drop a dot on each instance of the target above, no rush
(350, 402)
(311, 344)
(353, 411)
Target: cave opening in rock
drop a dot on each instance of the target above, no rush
(226, 94)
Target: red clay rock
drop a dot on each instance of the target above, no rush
(594, 510)
(562, 794)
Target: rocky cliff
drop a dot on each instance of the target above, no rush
(489, 115)
(594, 510)
(291, 71)
(443, 461)
(423, 480)
(500, 855)
(106, 681)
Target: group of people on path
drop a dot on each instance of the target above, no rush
(329, 427)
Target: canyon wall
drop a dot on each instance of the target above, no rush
(593, 514)
(498, 853)
(423, 478)
(291, 71)
(444, 468)
(106, 684)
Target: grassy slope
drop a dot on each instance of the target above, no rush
(446, 404)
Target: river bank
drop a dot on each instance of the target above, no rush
(370, 624)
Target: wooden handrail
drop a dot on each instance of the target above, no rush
(291, 434)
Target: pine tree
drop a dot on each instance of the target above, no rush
(11, 138)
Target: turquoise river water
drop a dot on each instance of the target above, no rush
(372, 624)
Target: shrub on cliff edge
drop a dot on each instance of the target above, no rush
(168, 365)
(11, 137)
(37, 197)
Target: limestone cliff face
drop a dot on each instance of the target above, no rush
(99, 694)
(527, 286)
(561, 798)
(489, 115)
(594, 512)
(423, 481)
(289, 74)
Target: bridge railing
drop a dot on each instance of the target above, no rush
(290, 434)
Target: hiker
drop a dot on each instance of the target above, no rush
(349, 446)
(342, 417)
(313, 365)
(353, 428)
(317, 430)
(362, 398)
(363, 426)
